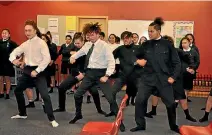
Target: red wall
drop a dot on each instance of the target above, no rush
(14, 15)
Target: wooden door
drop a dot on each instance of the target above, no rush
(102, 20)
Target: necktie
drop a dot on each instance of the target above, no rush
(88, 56)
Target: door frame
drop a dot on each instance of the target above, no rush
(93, 17)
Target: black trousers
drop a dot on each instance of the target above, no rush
(67, 84)
(146, 86)
(91, 79)
(131, 90)
(130, 80)
(26, 81)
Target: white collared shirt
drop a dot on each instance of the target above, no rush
(67, 45)
(101, 57)
(189, 49)
(158, 38)
(36, 53)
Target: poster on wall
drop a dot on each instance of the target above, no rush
(182, 28)
(56, 39)
(53, 25)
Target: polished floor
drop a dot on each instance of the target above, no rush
(37, 123)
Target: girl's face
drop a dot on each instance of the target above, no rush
(112, 39)
(5, 35)
(185, 44)
(190, 38)
(78, 43)
(135, 38)
(44, 38)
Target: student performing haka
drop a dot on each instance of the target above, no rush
(76, 76)
(159, 73)
(99, 64)
(129, 68)
(187, 67)
(37, 58)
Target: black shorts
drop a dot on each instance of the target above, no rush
(51, 70)
(65, 68)
(7, 69)
(188, 81)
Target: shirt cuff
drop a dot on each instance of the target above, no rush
(38, 70)
(12, 59)
(108, 74)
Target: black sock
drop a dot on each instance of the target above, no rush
(186, 111)
(154, 108)
(176, 104)
(206, 114)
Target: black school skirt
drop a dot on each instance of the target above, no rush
(178, 89)
(7, 69)
(51, 70)
(188, 81)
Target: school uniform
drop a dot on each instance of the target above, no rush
(65, 51)
(197, 59)
(128, 70)
(71, 81)
(37, 57)
(186, 61)
(193, 46)
(188, 77)
(6, 47)
(99, 62)
(162, 62)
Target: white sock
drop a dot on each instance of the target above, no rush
(54, 123)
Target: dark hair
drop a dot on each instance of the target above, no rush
(144, 40)
(77, 34)
(91, 27)
(181, 41)
(112, 35)
(144, 37)
(135, 34)
(80, 37)
(191, 36)
(117, 39)
(102, 34)
(6, 30)
(169, 38)
(34, 25)
(158, 22)
(68, 36)
(126, 34)
(49, 33)
(47, 38)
